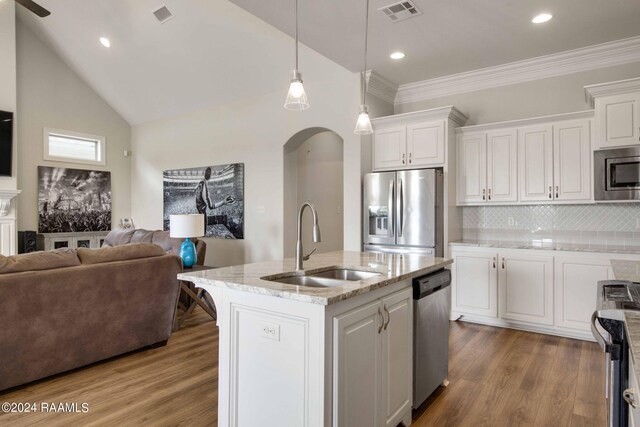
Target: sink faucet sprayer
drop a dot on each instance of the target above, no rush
(316, 234)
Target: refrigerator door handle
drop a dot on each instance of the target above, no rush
(400, 207)
(390, 209)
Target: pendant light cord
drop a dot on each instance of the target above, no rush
(366, 40)
(296, 9)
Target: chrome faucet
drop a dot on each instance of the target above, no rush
(316, 234)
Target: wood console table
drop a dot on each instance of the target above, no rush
(197, 297)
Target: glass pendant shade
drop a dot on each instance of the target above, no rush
(363, 125)
(296, 98)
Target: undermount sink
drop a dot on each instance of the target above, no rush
(324, 279)
(345, 274)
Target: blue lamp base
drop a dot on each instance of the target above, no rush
(188, 253)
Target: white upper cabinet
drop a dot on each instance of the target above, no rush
(572, 160)
(529, 161)
(502, 166)
(414, 140)
(536, 163)
(390, 148)
(425, 143)
(617, 113)
(617, 120)
(472, 168)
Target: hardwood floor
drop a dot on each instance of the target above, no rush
(498, 377)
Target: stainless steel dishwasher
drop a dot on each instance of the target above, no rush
(431, 310)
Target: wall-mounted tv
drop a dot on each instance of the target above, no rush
(6, 142)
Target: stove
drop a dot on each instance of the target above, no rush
(615, 297)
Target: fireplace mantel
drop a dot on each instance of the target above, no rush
(5, 201)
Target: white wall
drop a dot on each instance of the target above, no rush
(252, 131)
(51, 95)
(543, 97)
(8, 76)
(315, 170)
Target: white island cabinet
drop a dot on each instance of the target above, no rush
(316, 356)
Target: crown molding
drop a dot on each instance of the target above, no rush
(591, 92)
(381, 87)
(572, 61)
(586, 114)
(449, 112)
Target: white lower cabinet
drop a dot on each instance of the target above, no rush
(525, 285)
(576, 281)
(475, 281)
(546, 291)
(373, 363)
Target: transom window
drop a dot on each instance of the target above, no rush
(74, 147)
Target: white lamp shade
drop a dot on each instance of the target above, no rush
(183, 226)
(363, 125)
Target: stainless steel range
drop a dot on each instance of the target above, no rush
(607, 325)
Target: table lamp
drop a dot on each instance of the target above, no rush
(187, 226)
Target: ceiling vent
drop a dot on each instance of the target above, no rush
(163, 14)
(401, 11)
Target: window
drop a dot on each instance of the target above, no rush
(74, 147)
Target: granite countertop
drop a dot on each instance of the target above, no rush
(630, 270)
(550, 246)
(393, 268)
(626, 270)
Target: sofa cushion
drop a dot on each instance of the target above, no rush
(142, 236)
(37, 261)
(119, 253)
(118, 236)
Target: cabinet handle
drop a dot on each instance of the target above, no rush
(403, 156)
(550, 192)
(494, 262)
(629, 396)
(388, 317)
(381, 324)
(489, 194)
(410, 157)
(483, 194)
(556, 191)
(503, 263)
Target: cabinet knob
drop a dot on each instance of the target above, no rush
(483, 194)
(381, 323)
(556, 191)
(410, 157)
(494, 262)
(489, 194)
(403, 156)
(503, 263)
(550, 192)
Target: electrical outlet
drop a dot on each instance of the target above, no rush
(511, 221)
(260, 209)
(271, 331)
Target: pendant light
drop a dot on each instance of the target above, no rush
(363, 125)
(296, 97)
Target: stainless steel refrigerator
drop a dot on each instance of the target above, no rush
(403, 212)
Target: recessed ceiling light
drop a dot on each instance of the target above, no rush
(543, 17)
(105, 42)
(397, 55)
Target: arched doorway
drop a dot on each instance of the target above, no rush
(313, 170)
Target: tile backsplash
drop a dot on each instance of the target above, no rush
(612, 223)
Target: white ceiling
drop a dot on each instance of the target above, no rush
(202, 58)
(209, 55)
(451, 36)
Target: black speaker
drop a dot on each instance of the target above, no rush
(27, 242)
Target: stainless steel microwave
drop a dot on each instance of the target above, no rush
(617, 174)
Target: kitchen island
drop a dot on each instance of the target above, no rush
(338, 353)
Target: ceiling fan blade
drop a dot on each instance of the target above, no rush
(34, 7)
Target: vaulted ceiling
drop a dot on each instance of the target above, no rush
(208, 54)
